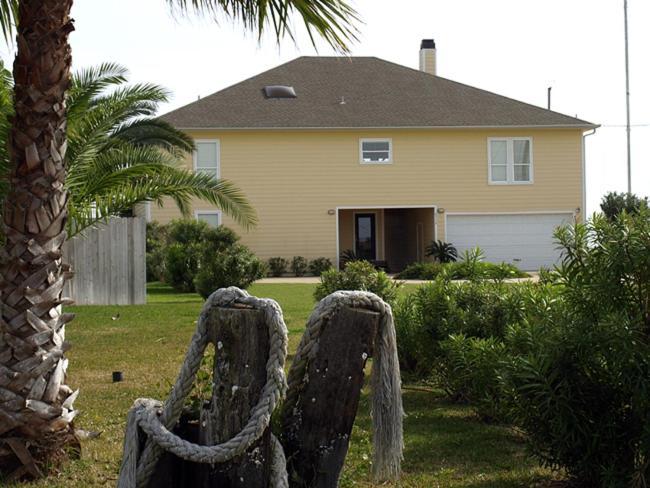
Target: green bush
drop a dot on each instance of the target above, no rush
(157, 238)
(469, 372)
(193, 247)
(319, 265)
(181, 265)
(358, 275)
(436, 310)
(421, 271)
(235, 265)
(299, 266)
(579, 376)
(277, 266)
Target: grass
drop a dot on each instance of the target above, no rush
(446, 446)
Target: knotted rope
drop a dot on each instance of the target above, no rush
(156, 419)
(387, 412)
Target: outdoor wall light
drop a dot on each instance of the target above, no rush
(331, 211)
(577, 210)
(441, 210)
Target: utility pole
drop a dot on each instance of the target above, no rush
(627, 103)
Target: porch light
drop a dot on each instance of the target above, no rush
(331, 211)
(441, 210)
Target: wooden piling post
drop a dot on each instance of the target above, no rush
(241, 340)
(316, 433)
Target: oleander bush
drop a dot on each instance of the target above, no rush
(358, 275)
(319, 265)
(299, 266)
(277, 266)
(198, 257)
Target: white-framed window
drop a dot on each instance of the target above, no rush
(510, 160)
(206, 156)
(375, 151)
(211, 217)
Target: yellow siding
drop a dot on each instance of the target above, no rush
(293, 178)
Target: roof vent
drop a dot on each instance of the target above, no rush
(279, 91)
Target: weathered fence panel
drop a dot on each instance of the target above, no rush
(109, 264)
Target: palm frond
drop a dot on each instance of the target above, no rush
(155, 132)
(333, 20)
(8, 16)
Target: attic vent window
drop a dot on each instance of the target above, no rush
(279, 91)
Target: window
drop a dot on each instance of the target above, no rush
(510, 160)
(206, 157)
(211, 217)
(376, 151)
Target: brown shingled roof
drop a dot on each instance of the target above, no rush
(377, 93)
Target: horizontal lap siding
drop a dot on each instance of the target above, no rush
(294, 178)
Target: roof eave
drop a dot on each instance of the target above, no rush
(444, 127)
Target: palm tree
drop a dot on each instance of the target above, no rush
(36, 409)
(118, 155)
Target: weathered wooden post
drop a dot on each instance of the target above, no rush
(316, 433)
(325, 383)
(241, 345)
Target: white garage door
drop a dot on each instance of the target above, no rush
(524, 240)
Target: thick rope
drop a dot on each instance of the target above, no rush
(156, 419)
(387, 412)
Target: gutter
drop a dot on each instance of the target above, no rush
(584, 172)
(430, 127)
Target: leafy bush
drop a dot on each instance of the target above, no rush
(277, 266)
(443, 252)
(319, 265)
(358, 275)
(436, 310)
(299, 266)
(196, 247)
(235, 265)
(157, 237)
(613, 204)
(420, 271)
(181, 265)
(580, 376)
(470, 372)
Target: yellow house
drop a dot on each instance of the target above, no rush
(362, 154)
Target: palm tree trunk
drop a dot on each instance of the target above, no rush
(35, 405)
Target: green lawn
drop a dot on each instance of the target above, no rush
(446, 446)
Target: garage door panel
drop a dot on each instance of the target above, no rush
(524, 240)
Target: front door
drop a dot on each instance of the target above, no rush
(365, 236)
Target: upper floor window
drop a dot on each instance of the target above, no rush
(510, 160)
(206, 157)
(211, 217)
(376, 151)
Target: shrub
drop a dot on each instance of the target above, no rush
(157, 237)
(443, 252)
(420, 271)
(277, 266)
(348, 256)
(181, 265)
(195, 246)
(299, 265)
(235, 265)
(470, 372)
(319, 265)
(613, 204)
(436, 310)
(358, 275)
(580, 375)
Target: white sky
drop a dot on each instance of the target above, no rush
(513, 47)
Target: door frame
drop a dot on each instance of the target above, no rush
(375, 220)
(364, 208)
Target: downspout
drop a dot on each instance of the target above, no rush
(584, 173)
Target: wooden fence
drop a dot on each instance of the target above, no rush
(109, 264)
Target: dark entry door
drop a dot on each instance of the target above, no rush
(365, 236)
